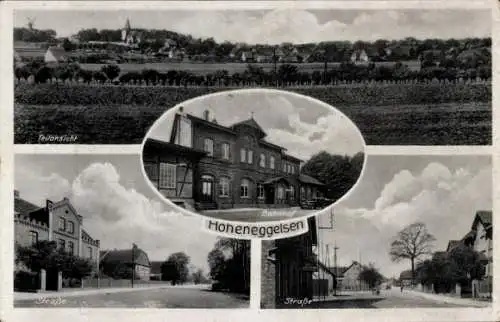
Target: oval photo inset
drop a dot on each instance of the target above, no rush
(253, 155)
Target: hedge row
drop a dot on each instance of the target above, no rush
(369, 95)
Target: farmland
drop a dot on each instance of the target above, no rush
(397, 114)
(204, 68)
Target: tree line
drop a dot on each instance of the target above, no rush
(284, 75)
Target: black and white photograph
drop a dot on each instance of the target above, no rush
(253, 155)
(89, 233)
(404, 76)
(415, 233)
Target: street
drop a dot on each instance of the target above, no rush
(168, 297)
(387, 299)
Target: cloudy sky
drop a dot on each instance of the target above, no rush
(278, 25)
(116, 204)
(302, 126)
(442, 192)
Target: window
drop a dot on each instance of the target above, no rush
(71, 247)
(250, 156)
(243, 155)
(208, 146)
(271, 162)
(302, 193)
(262, 161)
(245, 184)
(260, 191)
(225, 151)
(71, 227)
(151, 169)
(292, 168)
(284, 166)
(224, 187)
(167, 175)
(184, 133)
(34, 237)
(292, 192)
(62, 224)
(90, 252)
(62, 244)
(288, 168)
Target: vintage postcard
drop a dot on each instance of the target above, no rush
(253, 159)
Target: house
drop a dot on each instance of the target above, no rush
(288, 266)
(55, 221)
(348, 277)
(56, 55)
(360, 56)
(155, 273)
(324, 280)
(406, 278)
(452, 244)
(207, 165)
(131, 36)
(480, 238)
(119, 263)
(247, 56)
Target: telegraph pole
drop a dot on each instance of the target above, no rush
(336, 267)
(133, 263)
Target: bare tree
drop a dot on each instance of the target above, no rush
(411, 243)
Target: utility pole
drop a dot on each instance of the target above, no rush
(336, 267)
(133, 263)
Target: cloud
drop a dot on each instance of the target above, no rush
(119, 216)
(332, 132)
(301, 26)
(445, 200)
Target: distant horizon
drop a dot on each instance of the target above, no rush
(272, 27)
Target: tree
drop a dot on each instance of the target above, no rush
(175, 268)
(371, 275)
(111, 71)
(411, 243)
(198, 277)
(338, 173)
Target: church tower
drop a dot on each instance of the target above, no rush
(126, 30)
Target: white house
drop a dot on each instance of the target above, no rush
(55, 55)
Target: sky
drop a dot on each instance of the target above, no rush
(117, 205)
(301, 125)
(277, 25)
(443, 192)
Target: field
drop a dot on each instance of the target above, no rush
(437, 124)
(204, 68)
(393, 114)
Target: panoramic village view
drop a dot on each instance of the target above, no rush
(89, 233)
(426, 79)
(416, 232)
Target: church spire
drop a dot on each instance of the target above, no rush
(127, 24)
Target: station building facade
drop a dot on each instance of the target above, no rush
(209, 166)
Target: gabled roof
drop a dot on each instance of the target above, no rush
(486, 217)
(452, 244)
(326, 269)
(277, 179)
(124, 256)
(58, 52)
(251, 123)
(156, 267)
(208, 123)
(304, 178)
(24, 207)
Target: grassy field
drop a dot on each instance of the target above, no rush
(397, 124)
(204, 68)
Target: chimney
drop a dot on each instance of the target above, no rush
(206, 115)
(181, 109)
(16, 194)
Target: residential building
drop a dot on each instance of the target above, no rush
(287, 268)
(56, 221)
(324, 280)
(406, 278)
(480, 238)
(360, 56)
(119, 263)
(206, 165)
(56, 55)
(348, 277)
(155, 273)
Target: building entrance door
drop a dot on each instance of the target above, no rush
(207, 188)
(269, 191)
